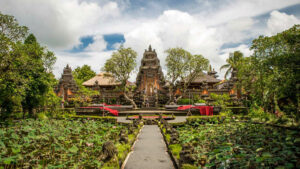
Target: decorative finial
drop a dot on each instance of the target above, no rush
(67, 65)
(210, 68)
(150, 49)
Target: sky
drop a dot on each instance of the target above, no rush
(89, 31)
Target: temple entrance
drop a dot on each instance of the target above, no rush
(149, 89)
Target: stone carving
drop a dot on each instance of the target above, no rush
(108, 151)
(123, 136)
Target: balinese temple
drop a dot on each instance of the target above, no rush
(67, 86)
(150, 82)
(151, 87)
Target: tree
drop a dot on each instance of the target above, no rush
(271, 75)
(10, 29)
(232, 62)
(83, 95)
(84, 73)
(11, 63)
(37, 77)
(24, 79)
(120, 65)
(182, 67)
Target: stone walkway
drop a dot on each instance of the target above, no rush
(176, 120)
(150, 151)
(122, 119)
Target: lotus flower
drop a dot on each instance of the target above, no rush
(90, 144)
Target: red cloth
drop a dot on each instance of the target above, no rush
(112, 111)
(204, 110)
(184, 107)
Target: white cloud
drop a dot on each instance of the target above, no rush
(236, 30)
(279, 22)
(98, 45)
(60, 24)
(174, 29)
(93, 59)
(229, 10)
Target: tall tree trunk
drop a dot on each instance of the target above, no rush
(171, 95)
(130, 100)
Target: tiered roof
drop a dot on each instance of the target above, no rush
(149, 61)
(102, 79)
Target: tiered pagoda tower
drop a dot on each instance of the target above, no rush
(67, 86)
(150, 79)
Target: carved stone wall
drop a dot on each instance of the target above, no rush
(67, 86)
(150, 79)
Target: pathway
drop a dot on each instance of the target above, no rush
(178, 119)
(122, 119)
(150, 151)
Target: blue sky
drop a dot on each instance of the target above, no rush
(88, 31)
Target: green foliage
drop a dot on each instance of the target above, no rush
(197, 99)
(82, 74)
(233, 62)
(188, 166)
(58, 143)
(121, 65)
(258, 112)
(184, 101)
(84, 95)
(199, 120)
(175, 149)
(270, 75)
(123, 150)
(242, 145)
(183, 67)
(25, 70)
(222, 101)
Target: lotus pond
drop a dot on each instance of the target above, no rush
(240, 145)
(58, 143)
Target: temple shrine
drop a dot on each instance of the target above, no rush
(151, 87)
(150, 82)
(67, 86)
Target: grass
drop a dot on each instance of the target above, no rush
(123, 150)
(131, 138)
(168, 138)
(188, 166)
(175, 149)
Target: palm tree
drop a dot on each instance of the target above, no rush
(232, 62)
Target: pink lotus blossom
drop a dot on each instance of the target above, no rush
(90, 144)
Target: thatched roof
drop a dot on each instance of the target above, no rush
(204, 77)
(103, 79)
